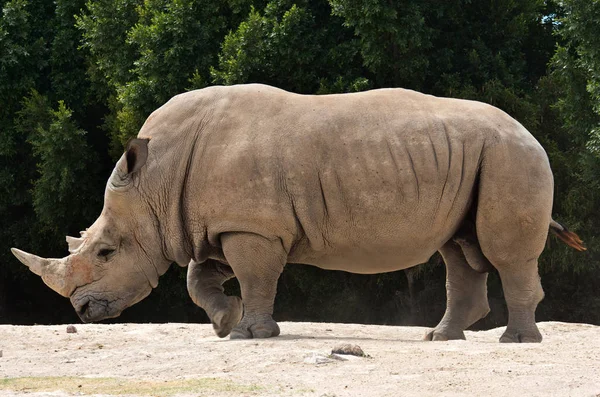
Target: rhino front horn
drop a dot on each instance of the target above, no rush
(52, 271)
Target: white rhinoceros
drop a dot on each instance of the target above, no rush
(254, 177)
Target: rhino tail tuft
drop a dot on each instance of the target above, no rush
(567, 236)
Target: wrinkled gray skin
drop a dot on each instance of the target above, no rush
(253, 177)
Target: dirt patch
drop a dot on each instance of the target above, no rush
(189, 360)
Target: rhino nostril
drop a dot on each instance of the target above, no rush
(83, 309)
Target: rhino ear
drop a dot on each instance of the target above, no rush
(136, 154)
(131, 161)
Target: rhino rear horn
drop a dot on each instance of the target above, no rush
(52, 271)
(74, 243)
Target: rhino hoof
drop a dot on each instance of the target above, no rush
(224, 320)
(240, 333)
(521, 337)
(435, 335)
(265, 329)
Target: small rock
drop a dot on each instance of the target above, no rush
(71, 329)
(347, 348)
(0, 353)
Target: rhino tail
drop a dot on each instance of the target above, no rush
(570, 238)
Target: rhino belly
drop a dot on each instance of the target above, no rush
(378, 243)
(366, 262)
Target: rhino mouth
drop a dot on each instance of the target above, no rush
(93, 306)
(91, 309)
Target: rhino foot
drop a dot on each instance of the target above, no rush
(224, 320)
(265, 329)
(515, 336)
(443, 335)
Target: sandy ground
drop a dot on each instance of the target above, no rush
(189, 360)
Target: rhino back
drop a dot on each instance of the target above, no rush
(364, 182)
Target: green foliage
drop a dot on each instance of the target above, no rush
(21, 61)
(295, 46)
(580, 30)
(577, 67)
(68, 78)
(393, 38)
(66, 165)
(104, 26)
(575, 73)
(147, 52)
(38, 50)
(19, 71)
(450, 48)
(174, 41)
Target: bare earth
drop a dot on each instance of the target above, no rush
(189, 360)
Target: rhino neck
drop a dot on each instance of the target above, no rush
(176, 231)
(179, 151)
(184, 234)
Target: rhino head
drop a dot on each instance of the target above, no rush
(117, 261)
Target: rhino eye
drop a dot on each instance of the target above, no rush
(105, 252)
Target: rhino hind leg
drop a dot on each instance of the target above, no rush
(205, 286)
(523, 292)
(513, 213)
(516, 280)
(257, 263)
(466, 290)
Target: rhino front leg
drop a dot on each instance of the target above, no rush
(257, 263)
(466, 291)
(205, 286)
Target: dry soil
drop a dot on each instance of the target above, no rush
(189, 360)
